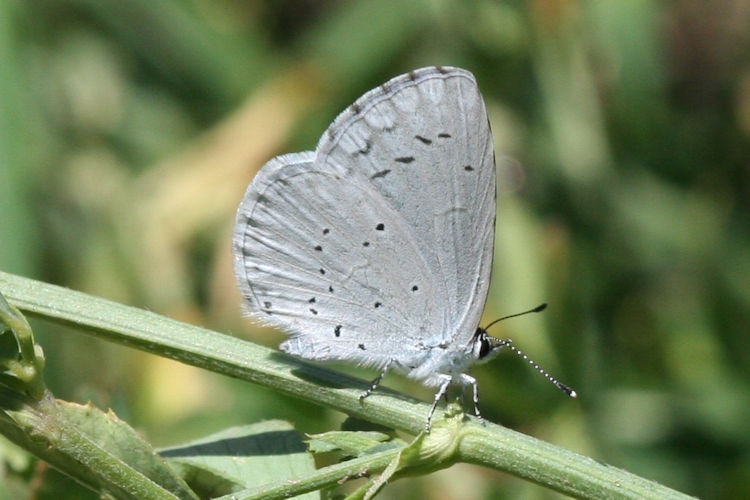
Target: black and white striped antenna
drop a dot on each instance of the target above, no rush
(508, 343)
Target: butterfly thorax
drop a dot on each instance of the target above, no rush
(441, 360)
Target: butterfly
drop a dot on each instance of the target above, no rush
(376, 248)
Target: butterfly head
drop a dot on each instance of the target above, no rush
(486, 347)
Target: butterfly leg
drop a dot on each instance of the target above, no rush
(440, 393)
(376, 382)
(469, 380)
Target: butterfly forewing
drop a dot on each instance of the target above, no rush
(424, 141)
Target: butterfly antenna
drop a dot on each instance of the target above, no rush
(507, 343)
(566, 389)
(537, 309)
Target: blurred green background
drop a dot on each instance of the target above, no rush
(130, 130)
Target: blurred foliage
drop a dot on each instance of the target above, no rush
(130, 130)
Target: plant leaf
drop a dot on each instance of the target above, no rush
(242, 457)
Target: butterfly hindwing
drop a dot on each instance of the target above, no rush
(315, 254)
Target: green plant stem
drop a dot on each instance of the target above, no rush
(543, 463)
(321, 478)
(491, 445)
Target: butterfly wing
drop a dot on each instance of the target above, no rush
(424, 140)
(378, 244)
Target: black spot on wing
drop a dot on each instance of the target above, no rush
(382, 173)
(423, 140)
(469, 168)
(444, 135)
(380, 227)
(337, 331)
(404, 159)
(362, 346)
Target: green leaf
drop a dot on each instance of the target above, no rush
(97, 449)
(120, 440)
(243, 457)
